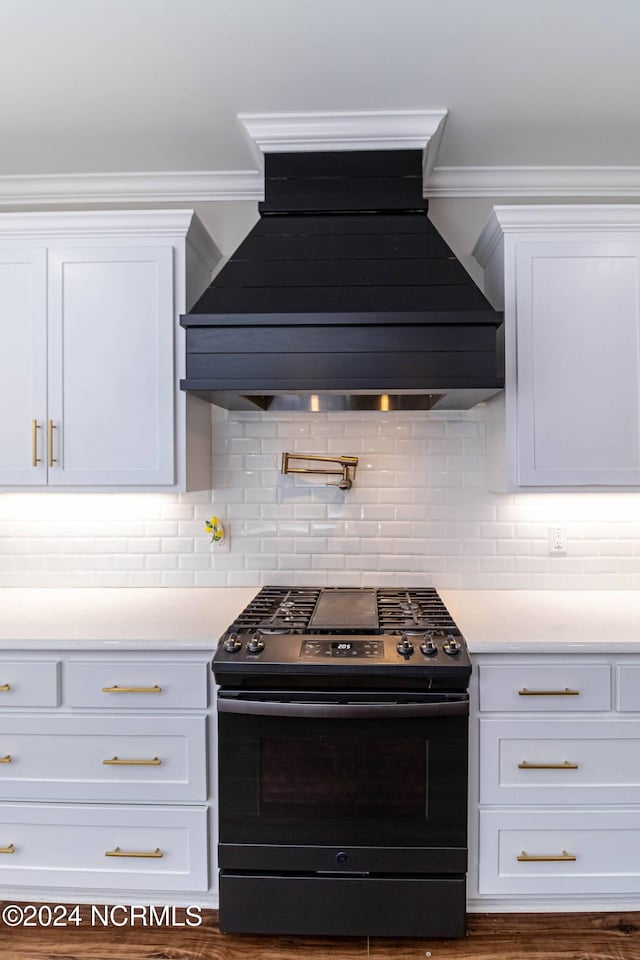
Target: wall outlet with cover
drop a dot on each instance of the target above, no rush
(558, 541)
(218, 536)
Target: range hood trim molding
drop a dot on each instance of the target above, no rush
(445, 318)
(344, 130)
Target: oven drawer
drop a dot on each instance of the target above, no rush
(124, 684)
(136, 848)
(559, 687)
(103, 758)
(29, 683)
(562, 851)
(301, 904)
(543, 761)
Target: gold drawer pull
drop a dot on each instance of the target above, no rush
(35, 459)
(145, 854)
(548, 693)
(5, 687)
(9, 849)
(565, 765)
(116, 689)
(51, 428)
(532, 858)
(7, 759)
(118, 762)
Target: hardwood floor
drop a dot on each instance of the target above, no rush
(582, 936)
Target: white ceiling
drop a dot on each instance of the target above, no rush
(91, 86)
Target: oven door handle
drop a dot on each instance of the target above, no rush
(354, 711)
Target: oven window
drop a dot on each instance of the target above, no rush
(343, 778)
(301, 780)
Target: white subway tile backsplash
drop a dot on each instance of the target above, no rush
(419, 513)
(171, 578)
(515, 548)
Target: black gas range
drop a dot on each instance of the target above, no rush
(342, 764)
(367, 637)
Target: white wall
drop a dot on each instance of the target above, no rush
(419, 512)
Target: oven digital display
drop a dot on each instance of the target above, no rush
(313, 647)
(343, 649)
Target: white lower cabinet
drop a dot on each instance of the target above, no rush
(558, 852)
(577, 761)
(109, 792)
(104, 758)
(102, 847)
(558, 783)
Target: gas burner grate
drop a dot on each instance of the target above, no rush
(413, 609)
(281, 609)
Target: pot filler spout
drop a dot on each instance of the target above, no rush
(343, 296)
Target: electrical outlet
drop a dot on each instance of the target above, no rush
(222, 546)
(557, 541)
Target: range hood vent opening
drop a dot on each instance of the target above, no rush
(343, 297)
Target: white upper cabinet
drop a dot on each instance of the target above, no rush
(111, 359)
(93, 351)
(568, 278)
(23, 365)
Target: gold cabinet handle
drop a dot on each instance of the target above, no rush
(533, 858)
(118, 762)
(145, 854)
(548, 693)
(565, 765)
(51, 428)
(9, 849)
(7, 759)
(5, 687)
(116, 689)
(35, 459)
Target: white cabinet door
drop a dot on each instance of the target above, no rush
(23, 366)
(578, 363)
(111, 380)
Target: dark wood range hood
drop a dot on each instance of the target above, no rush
(343, 296)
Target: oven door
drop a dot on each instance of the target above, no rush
(347, 782)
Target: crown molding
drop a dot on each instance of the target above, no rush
(189, 186)
(346, 130)
(548, 219)
(534, 182)
(206, 186)
(102, 223)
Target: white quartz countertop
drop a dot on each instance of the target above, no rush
(550, 621)
(142, 617)
(492, 621)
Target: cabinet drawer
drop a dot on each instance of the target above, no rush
(551, 688)
(29, 683)
(628, 676)
(575, 761)
(605, 844)
(67, 846)
(125, 684)
(103, 758)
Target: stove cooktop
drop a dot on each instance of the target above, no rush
(337, 632)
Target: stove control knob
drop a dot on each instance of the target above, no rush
(256, 644)
(405, 647)
(451, 646)
(232, 644)
(428, 647)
